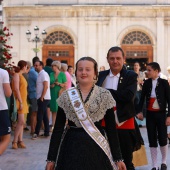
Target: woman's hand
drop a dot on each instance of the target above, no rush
(52, 85)
(50, 166)
(121, 165)
(57, 83)
(168, 121)
(63, 85)
(20, 106)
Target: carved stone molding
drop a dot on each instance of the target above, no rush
(18, 22)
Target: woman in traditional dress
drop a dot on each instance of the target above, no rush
(82, 145)
(57, 81)
(156, 91)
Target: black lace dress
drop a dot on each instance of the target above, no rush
(77, 150)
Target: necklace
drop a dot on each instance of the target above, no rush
(88, 96)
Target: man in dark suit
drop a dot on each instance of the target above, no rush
(122, 84)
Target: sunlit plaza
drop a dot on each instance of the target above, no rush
(68, 30)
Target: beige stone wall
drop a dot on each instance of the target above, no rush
(94, 29)
(88, 2)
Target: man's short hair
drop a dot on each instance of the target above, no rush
(34, 60)
(115, 49)
(41, 63)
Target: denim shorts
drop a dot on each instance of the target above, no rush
(5, 125)
(33, 103)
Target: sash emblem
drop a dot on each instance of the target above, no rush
(77, 104)
(73, 93)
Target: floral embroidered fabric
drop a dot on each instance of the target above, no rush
(99, 102)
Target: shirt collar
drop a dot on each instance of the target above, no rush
(155, 79)
(41, 71)
(111, 75)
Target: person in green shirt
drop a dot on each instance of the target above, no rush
(57, 83)
(48, 68)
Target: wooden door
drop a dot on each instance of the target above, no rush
(138, 51)
(62, 53)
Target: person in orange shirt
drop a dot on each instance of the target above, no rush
(19, 88)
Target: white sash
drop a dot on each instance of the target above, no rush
(88, 124)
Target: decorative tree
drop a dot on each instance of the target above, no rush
(5, 55)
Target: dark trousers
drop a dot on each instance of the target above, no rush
(42, 115)
(127, 141)
(156, 128)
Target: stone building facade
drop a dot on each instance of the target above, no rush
(0, 14)
(77, 28)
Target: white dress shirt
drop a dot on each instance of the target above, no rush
(111, 81)
(153, 94)
(154, 83)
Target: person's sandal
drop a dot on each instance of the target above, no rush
(21, 144)
(14, 145)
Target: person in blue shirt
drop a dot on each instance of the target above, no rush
(32, 78)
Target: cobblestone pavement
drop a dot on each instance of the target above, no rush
(34, 156)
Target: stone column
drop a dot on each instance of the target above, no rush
(100, 44)
(113, 32)
(160, 58)
(168, 44)
(91, 37)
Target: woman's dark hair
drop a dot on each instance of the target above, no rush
(136, 62)
(155, 66)
(88, 59)
(21, 65)
(69, 67)
(115, 49)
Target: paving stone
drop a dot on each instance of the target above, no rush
(34, 156)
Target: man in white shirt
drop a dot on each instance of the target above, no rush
(43, 99)
(5, 127)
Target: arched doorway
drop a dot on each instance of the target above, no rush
(59, 46)
(137, 47)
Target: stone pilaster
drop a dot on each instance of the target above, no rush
(160, 42)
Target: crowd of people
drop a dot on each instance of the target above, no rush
(93, 113)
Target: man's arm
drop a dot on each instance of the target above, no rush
(6, 85)
(7, 89)
(45, 87)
